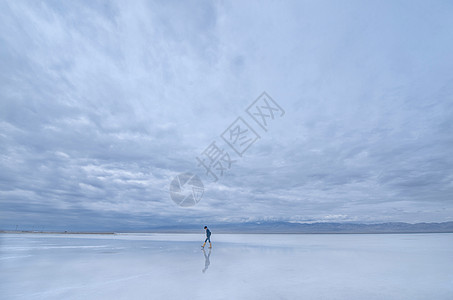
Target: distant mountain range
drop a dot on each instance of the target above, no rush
(278, 227)
(289, 227)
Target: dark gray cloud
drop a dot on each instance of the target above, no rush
(103, 103)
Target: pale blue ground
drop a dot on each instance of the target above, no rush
(246, 266)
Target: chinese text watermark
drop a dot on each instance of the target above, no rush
(187, 189)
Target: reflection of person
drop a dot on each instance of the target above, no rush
(206, 260)
(208, 237)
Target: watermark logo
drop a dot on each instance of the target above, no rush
(187, 189)
(215, 161)
(240, 136)
(264, 110)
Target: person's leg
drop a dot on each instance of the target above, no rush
(205, 242)
(209, 239)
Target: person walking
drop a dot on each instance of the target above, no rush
(208, 237)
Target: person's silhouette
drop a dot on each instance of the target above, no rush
(208, 237)
(206, 260)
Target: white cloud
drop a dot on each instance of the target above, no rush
(100, 106)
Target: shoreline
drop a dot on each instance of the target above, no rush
(218, 232)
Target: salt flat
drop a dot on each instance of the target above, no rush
(240, 266)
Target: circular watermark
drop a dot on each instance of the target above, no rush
(186, 189)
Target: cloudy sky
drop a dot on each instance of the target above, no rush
(103, 103)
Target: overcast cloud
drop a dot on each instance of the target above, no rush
(102, 103)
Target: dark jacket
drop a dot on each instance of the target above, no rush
(208, 232)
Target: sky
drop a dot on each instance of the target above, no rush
(103, 103)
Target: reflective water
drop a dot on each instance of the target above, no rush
(242, 266)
